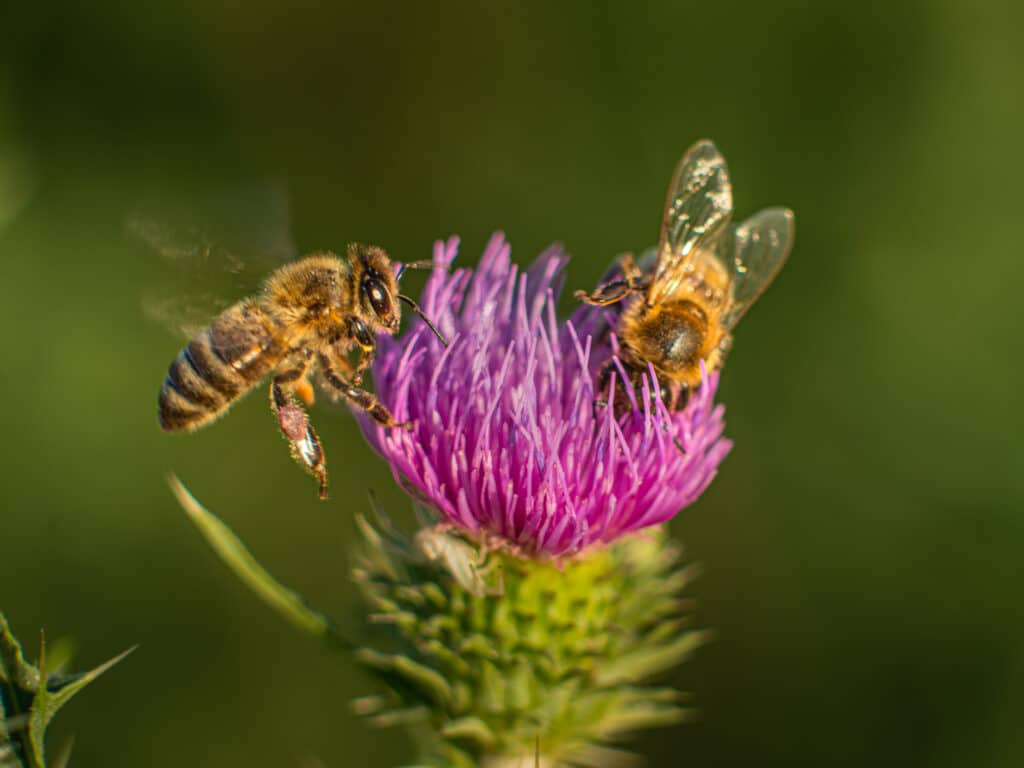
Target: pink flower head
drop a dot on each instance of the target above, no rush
(507, 443)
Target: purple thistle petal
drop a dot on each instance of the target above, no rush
(506, 442)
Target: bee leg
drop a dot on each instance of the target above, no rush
(365, 361)
(367, 347)
(609, 293)
(359, 397)
(367, 402)
(680, 397)
(616, 290)
(633, 274)
(603, 379)
(303, 441)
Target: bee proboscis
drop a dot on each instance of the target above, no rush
(686, 299)
(308, 317)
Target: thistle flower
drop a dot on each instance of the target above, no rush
(507, 443)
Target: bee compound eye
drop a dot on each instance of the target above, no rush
(378, 298)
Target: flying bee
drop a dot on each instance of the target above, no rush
(685, 299)
(308, 317)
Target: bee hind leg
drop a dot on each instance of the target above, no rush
(303, 441)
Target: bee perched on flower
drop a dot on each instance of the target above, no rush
(683, 301)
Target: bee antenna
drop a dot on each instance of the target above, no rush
(426, 264)
(416, 308)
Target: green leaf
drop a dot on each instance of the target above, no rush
(233, 552)
(376, 551)
(41, 694)
(471, 729)
(69, 686)
(21, 682)
(458, 557)
(14, 670)
(649, 661)
(639, 709)
(397, 667)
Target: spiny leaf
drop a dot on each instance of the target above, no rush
(36, 696)
(457, 556)
(649, 661)
(638, 709)
(471, 729)
(239, 559)
(377, 553)
(14, 669)
(35, 747)
(413, 673)
(71, 685)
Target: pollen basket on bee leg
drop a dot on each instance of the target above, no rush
(294, 422)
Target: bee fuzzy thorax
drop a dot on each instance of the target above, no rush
(310, 294)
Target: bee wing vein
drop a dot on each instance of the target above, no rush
(697, 209)
(754, 252)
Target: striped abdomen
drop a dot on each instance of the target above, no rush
(223, 362)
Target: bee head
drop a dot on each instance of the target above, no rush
(376, 286)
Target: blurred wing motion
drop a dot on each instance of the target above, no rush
(196, 280)
(697, 210)
(753, 253)
(211, 253)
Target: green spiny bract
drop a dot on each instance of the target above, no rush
(29, 698)
(501, 661)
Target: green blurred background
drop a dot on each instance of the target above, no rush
(861, 546)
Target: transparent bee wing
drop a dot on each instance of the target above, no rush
(697, 210)
(195, 281)
(647, 260)
(184, 316)
(754, 252)
(207, 255)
